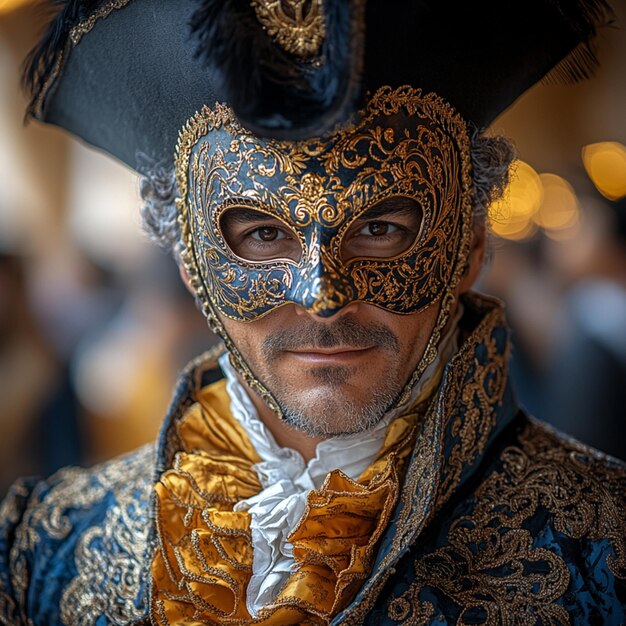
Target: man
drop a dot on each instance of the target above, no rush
(354, 453)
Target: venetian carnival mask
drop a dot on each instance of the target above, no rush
(325, 244)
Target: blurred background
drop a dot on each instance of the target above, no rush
(95, 322)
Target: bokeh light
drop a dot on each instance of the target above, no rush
(559, 213)
(605, 163)
(10, 5)
(534, 202)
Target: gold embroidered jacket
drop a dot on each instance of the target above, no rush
(500, 520)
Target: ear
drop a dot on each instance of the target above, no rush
(185, 278)
(475, 259)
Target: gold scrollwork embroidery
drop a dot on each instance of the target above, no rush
(11, 511)
(490, 564)
(297, 26)
(411, 614)
(110, 557)
(480, 387)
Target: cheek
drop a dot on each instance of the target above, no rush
(414, 331)
(248, 336)
(239, 335)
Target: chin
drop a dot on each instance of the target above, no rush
(319, 414)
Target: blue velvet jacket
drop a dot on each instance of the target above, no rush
(500, 520)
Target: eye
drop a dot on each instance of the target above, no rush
(267, 233)
(385, 230)
(378, 229)
(257, 236)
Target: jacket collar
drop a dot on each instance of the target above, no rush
(473, 404)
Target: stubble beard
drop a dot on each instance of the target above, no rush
(328, 410)
(334, 416)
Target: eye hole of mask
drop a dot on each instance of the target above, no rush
(258, 237)
(383, 231)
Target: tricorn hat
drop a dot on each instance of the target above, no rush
(125, 75)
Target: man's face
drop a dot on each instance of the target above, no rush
(334, 375)
(323, 263)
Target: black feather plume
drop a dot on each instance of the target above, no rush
(42, 59)
(272, 91)
(585, 17)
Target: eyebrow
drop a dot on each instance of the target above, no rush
(398, 205)
(242, 215)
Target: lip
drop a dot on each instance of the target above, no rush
(331, 355)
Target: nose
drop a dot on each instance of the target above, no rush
(322, 288)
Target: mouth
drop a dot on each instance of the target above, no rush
(328, 356)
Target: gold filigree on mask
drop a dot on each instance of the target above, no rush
(404, 144)
(297, 26)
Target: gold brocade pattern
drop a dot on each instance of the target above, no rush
(11, 510)
(204, 560)
(297, 26)
(110, 556)
(509, 579)
(480, 388)
(411, 614)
